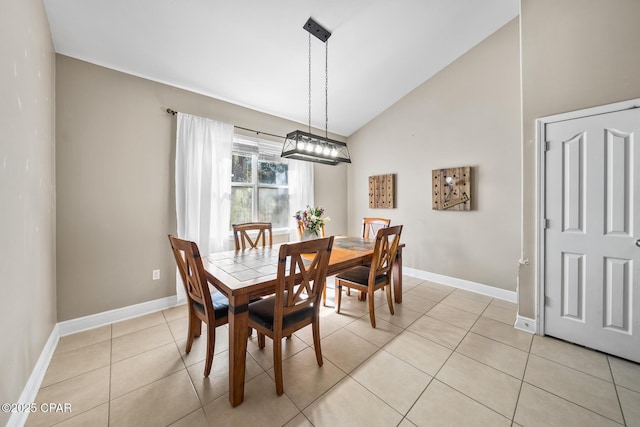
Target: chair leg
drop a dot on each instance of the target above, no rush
(338, 297)
(211, 344)
(389, 298)
(277, 364)
(195, 329)
(195, 324)
(348, 292)
(324, 294)
(315, 325)
(261, 342)
(372, 312)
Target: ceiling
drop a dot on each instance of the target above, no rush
(254, 53)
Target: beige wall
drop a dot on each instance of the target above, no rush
(575, 54)
(27, 193)
(466, 115)
(115, 157)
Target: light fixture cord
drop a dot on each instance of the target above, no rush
(309, 82)
(326, 88)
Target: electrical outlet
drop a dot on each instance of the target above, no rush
(156, 275)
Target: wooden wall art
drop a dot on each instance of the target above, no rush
(381, 191)
(451, 189)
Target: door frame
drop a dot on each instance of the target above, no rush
(541, 124)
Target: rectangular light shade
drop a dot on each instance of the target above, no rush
(301, 145)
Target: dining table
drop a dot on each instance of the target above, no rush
(244, 275)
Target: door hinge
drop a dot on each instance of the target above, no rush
(545, 223)
(547, 145)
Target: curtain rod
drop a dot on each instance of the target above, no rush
(257, 132)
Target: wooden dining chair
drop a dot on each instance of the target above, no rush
(204, 305)
(301, 229)
(302, 270)
(377, 275)
(370, 226)
(244, 239)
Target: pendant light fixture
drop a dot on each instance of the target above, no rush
(302, 145)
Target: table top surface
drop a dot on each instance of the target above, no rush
(235, 271)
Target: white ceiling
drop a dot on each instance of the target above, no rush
(255, 52)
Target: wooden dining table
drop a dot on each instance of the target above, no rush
(243, 275)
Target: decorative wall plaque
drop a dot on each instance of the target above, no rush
(381, 191)
(451, 189)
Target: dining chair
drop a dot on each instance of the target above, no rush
(376, 276)
(302, 270)
(244, 239)
(204, 306)
(370, 226)
(301, 229)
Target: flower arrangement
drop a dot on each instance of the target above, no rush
(312, 219)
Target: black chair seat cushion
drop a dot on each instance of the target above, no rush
(220, 305)
(360, 275)
(261, 312)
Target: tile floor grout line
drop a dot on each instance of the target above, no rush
(575, 369)
(433, 378)
(193, 386)
(469, 331)
(74, 376)
(615, 388)
(380, 397)
(147, 384)
(460, 391)
(145, 352)
(496, 340)
(526, 364)
(473, 399)
(572, 402)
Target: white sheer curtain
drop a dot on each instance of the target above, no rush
(203, 184)
(300, 191)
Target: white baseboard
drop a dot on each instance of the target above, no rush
(32, 387)
(80, 324)
(525, 324)
(478, 288)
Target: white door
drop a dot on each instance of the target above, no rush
(592, 236)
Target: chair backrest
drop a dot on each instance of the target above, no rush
(302, 270)
(244, 239)
(384, 252)
(370, 226)
(189, 264)
(301, 229)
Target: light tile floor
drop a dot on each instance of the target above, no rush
(447, 357)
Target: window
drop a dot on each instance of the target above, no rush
(259, 183)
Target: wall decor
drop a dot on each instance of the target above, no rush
(382, 191)
(451, 189)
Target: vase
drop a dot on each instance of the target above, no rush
(308, 235)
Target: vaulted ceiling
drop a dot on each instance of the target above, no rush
(255, 52)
